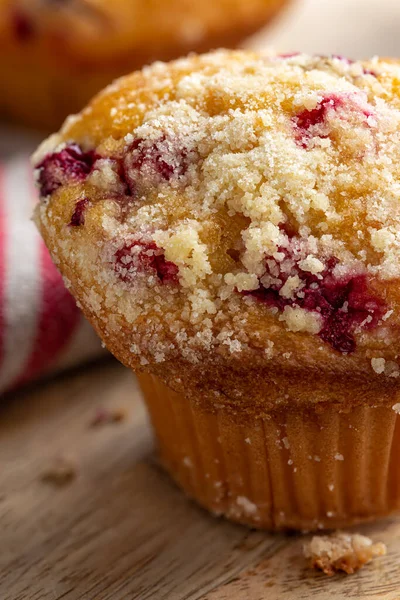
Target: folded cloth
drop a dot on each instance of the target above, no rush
(41, 328)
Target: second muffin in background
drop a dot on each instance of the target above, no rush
(230, 223)
(56, 55)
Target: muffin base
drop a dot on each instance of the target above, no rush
(306, 469)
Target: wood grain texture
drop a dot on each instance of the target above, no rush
(120, 529)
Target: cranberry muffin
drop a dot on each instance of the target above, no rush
(58, 54)
(230, 224)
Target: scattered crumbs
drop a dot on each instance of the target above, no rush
(290, 462)
(269, 350)
(286, 443)
(338, 456)
(317, 458)
(105, 416)
(187, 461)
(341, 551)
(249, 508)
(396, 408)
(248, 441)
(378, 365)
(298, 319)
(331, 487)
(387, 315)
(60, 473)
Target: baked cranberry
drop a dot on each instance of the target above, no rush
(307, 121)
(288, 55)
(139, 256)
(159, 160)
(337, 332)
(345, 59)
(78, 216)
(344, 303)
(71, 164)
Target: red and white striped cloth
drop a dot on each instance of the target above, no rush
(41, 329)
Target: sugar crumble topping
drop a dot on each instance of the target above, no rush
(378, 365)
(248, 508)
(217, 189)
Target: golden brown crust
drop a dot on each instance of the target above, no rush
(247, 383)
(60, 56)
(223, 231)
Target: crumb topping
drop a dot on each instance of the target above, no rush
(342, 552)
(226, 197)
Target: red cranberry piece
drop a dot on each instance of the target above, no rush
(337, 331)
(140, 257)
(307, 120)
(343, 303)
(152, 157)
(312, 118)
(269, 297)
(345, 59)
(78, 216)
(22, 26)
(159, 160)
(59, 168)
(288, 55)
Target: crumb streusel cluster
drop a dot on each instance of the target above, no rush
(342, 552)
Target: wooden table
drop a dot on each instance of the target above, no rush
(120, 529)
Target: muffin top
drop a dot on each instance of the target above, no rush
(96, 31)
(235, 209)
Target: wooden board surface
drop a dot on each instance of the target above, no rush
(120, 529)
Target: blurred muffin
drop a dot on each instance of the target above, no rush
(57, 54)
(230, 223)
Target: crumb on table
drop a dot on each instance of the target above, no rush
(60, 473)
(341, 551)
(104, 416)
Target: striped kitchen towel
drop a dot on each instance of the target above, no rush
(41, 329)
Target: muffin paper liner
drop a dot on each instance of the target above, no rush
(295, 469)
